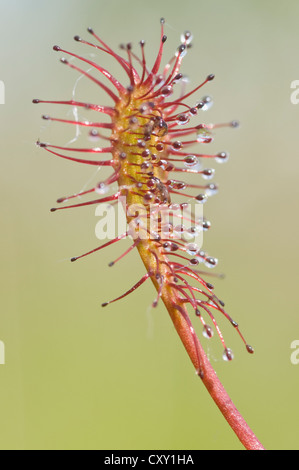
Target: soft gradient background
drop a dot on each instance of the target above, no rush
(77, 376)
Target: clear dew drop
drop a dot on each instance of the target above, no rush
(177, 145)
(146, 154)
(183, 54)
(222, 157)
(167, 246)
(193, 112)
(102, 188)
(123, 155)
(208, 174)
(146, 167)
(185, 79)
(211, 262)
(207, 332)
(162, 128)
(204, 136)
(179, 185)
(181, 50)
(159, 80)
(188, 236)
(93, 135)
(206, 225)
(192, 249)
(201, 198)
(160, 148)
(183, 119)
(186, 37)
(155, 236)
(191, 161)
(152, 183)
(192, 232)
(166, 91)
(177, 78)
(208, 103)
(178, 231)
(201, 256)
(228, 355)
(211, 189)
(155, 158)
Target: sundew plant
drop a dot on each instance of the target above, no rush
(153, 142)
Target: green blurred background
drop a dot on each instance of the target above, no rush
(77, 376)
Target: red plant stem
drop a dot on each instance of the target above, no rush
(178, 314)
(211, 381)
(227, 407)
